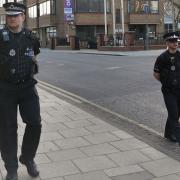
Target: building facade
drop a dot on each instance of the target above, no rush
(85, 18)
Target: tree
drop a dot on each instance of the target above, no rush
(172, 9)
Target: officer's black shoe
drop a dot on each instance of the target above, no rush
(11, 175)
(31, 167)
(171, 138)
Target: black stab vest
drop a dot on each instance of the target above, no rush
(16, 56)
(170, 75)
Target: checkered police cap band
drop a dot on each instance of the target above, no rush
(171, 36)
(13, 8)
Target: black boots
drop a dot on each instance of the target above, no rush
(31, 169)
(12, 175)
(31, 166)
(171, 138)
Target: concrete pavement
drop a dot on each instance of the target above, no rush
(76, 145)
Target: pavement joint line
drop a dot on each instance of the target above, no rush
(79, 99)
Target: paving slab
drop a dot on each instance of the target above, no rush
(129, 144)
(45, 147)
(58, 178)
(72, 143)
(123, 170)
(94, 163)
(100, 149)
(162, 167)
(53, 127)
(42, 158)
(153, 153)
(169, 177)
(88, 176)
(100, 128)
(101, 138)
(79, 123)
(128, 158)
(74, 132)
(143, 175)
(57, 169)
(50, 136)
(122, 134)
(67, 154)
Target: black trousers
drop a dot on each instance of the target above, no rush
(27, 100)
(172, 102)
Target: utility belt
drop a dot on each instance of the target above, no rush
(170, 79)
(16, 81)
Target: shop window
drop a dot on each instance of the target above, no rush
(2, 19)
(2, 2)
(32, 12)
(47, 7)
(51, 32)
(143, 6)
(92, 6)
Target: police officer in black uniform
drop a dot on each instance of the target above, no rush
(18, 50)
(167, 71)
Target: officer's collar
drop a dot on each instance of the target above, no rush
(172, 53)
(19, 32)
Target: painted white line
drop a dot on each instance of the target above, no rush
(79, 99)
(60, 64)
(112, 68)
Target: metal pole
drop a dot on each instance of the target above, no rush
(122, 20)
(146, 38)
(105, 20)
(173, 15)
(114, 23)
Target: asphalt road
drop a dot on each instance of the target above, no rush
(122, 84)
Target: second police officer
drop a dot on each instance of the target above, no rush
(167, 71)
(18, 50)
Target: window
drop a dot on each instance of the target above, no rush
(47, 7)
(92, 6)
(51, 31)
(143, 6)
(2, 2)
(118, 16)
(32, 12)
(2, 19)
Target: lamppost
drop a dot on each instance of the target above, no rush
(122, 20)
(105, 21)
(114, 23)
(173, 15)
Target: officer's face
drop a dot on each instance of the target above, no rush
(15, 21)
(172, 44)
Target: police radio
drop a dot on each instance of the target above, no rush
(5, 35)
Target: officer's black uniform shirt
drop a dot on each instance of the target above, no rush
(166, 60)
(168, 65)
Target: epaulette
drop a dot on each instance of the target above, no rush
(29, 34)
(164, 54)
(1, 32)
